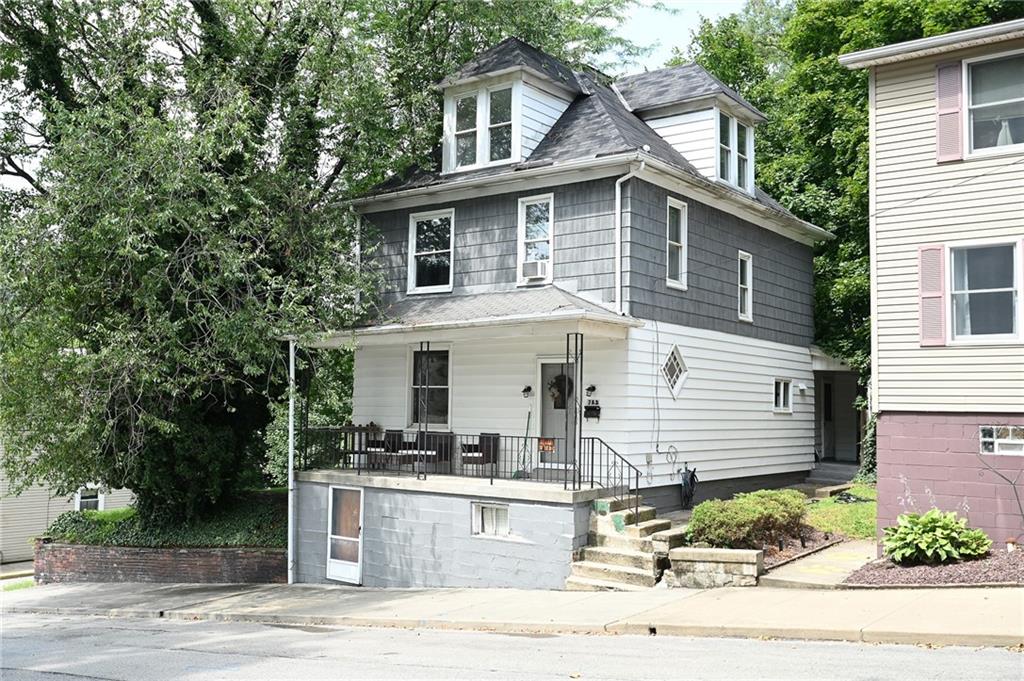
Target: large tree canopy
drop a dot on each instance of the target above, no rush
(175, 177)
(813, 153)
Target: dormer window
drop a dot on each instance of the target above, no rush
(480, 127)
(735, 152)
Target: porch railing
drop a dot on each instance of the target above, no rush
(589, 463)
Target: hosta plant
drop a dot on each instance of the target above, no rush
(933, 537)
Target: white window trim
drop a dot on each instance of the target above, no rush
(409, 365)
(476, 524)
(732, 180)
(99, 495)
(743, 256)
(411, 287)
(678, 387)
(965, 115)
(1018, 262)
(997, 442)
(521, 239)
(789, 397)
(681, 283)
(483, 118)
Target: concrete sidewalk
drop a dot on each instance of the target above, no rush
(969, 617)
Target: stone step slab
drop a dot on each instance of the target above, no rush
(613, 573)
(574, 583)
(624, 557)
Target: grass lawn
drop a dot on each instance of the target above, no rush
(856, 520)
(15, 584)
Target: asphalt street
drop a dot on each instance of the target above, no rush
(64, 648)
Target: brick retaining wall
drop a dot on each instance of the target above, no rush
(932, 459)
(84, 563)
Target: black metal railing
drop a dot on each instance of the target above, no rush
(588, 462)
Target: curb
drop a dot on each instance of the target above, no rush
(952, 585)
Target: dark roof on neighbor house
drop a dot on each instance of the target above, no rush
(511, 53)
(521, 303)
(674, 85)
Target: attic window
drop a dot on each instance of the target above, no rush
(481, 127)
(465, 131)
(674, 370)
(735, 152)
(500, 129)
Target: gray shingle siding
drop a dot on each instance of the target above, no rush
(783, 270)
(485, 240)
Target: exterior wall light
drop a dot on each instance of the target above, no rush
(527, 391)
(591, 389)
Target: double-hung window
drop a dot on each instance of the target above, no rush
(465, 131)
(745, 286)
(430, 387)
(431, 245)
(536, 217)
(783, 396)
(995, 102)
(676, 244)
(985, 291)
(735, 152)
(88, 499)
(499, 130)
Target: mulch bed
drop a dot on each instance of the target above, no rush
(999, 567)
(813, 539)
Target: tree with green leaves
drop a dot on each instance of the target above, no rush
(175, 177)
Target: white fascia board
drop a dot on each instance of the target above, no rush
(923, 47)
(733, 202)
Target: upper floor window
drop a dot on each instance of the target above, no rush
(745, 286)
(480, 127)
(984, 291)
(536, 214)
(431, 245)
(676, 249)
(735, 151)
(995, 102)
(431, 378)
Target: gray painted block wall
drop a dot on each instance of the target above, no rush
(783, 270)
(486, 230)
(417, 539)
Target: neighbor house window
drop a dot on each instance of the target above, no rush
(1002, 439)
(735, 149)
(431, 241)
(465, 131)
(429, 387)
(88, 500)
(984, 291)
(744, 288)
(499, 131)
(995, 102)
(674, 370)
(676, 237)
(490, 520)
(783, 400)
(536, 214)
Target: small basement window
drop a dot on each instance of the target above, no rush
(490, 520)
(783, 401)
(1002, 439)
(87, 500)
(674, 370)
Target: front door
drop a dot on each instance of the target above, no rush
(828, 424)
(558, 393)
(344, 534)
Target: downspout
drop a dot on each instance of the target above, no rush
(291, 461)
(618, 234)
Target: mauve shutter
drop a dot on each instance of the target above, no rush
(948, 107)
(932, 292)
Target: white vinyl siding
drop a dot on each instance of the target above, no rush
(918, 202)
(692, 134)
(540, 111)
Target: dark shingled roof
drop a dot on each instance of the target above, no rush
(510, 53)
(663, 87)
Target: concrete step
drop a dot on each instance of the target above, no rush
(666, 540)
(574, 583)
(827, 482)
(613, 573)
(617, 520)
(625, 557)
(648, 527)
(607, 505)
(615, 540)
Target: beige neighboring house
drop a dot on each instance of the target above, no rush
(28, 514)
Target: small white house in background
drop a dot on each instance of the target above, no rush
(27, 515)
(589, 295)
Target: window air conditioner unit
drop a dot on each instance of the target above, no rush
(535, 269)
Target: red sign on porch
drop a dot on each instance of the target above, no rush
(546, 445)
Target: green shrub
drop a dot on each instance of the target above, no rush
(748, 520)
(933, 537)
(252, 519)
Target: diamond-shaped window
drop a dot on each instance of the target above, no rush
(674, 370)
